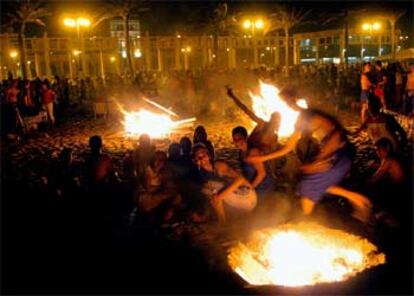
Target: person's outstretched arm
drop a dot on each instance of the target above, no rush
(290, 145)
(243, 107)
(260, 169)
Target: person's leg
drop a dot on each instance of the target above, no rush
(218, 207)
(361, 204)
(383, 101)
(49, 109)
(364, 109)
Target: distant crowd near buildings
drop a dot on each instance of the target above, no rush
(100, 56)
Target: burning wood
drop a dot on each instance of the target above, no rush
(156, 125)
(302, 254)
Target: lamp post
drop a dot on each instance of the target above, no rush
(371, 28)
(78, 23)
(186, 51)
(253, 25)
(13, 56)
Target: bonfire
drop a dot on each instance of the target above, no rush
(155, 124)
(268, 102)
(302, 254)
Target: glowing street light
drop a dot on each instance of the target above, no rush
(247, 24)
(137, 53)
(13, 54)
(259, 24)
(253, 25)
(112, 59)
(83, 22)
(76, 52)
(376, 26)
(68, 22)
(78, 22)
(372, 27)
(186, 49)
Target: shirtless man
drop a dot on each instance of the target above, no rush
(381, 125)
(366, 86)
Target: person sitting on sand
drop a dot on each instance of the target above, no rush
(255, 173)
(388, 183)
(160, 199)
(200, 136)
(99, 166)
(142, 156)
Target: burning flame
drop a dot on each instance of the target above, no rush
(302, 254)
(269, 102)
(154, 124)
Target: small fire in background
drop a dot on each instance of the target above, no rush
(302, 254)
(156, 125)
(269, 102)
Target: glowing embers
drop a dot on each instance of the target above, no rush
(302, 254)
(269, 101)
(157, 125)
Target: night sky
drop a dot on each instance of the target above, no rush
(166, 17)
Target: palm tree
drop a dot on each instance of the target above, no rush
(26, 13)
(217, 23)
(285, 18)
(344, 17)
(392, 18)
(124, 9)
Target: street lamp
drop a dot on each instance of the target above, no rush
(186, 51)
(137, 53)
(78, 23)
(13, 54)
(372, 28)
(254, 24)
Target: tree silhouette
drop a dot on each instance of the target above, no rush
(286, 18)
(26, 12)
(124, 9)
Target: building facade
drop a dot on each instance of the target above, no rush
(99, 56)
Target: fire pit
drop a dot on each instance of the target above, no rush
(303, 254)
(156, 124)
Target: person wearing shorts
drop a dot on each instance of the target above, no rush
(366, 86)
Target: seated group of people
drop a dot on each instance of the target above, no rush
(193, 179)
(191, 182)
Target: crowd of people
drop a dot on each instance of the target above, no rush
(191, 182)
(124, 209)
(393, 84)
